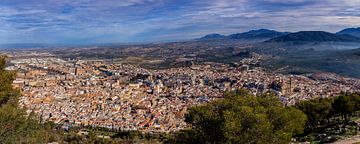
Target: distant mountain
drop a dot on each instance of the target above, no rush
(213, 36)
(22, 45)
(350, 31)
(257, 34)
(315, 36)
(261, 34)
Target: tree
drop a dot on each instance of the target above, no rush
(317, 111)
(346, 104)
(356, 98)
(243, 118)
(6, 77)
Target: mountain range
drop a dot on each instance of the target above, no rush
(257, 34)
(300, 52)
(315, 36)
(346, 35)
(260, 34)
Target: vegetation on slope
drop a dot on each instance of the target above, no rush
(329, 118)
(244, 118)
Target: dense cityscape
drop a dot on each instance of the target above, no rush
(179, 72)
(104, 93)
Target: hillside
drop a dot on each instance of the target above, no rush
(261, 34)
(314, 36)
(213, 36)
(350, 31)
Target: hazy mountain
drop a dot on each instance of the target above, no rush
(257, 34)
(213, 36)
(261, 34)
(22, 45)
(315, 36)
(350, 31)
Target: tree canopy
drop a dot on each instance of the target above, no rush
(243, 118)
(6, 78)
(317, 111)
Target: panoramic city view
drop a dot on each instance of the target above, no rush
(180, 71)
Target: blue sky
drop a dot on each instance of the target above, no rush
(108, 21)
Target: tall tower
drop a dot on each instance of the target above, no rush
(287, 86)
